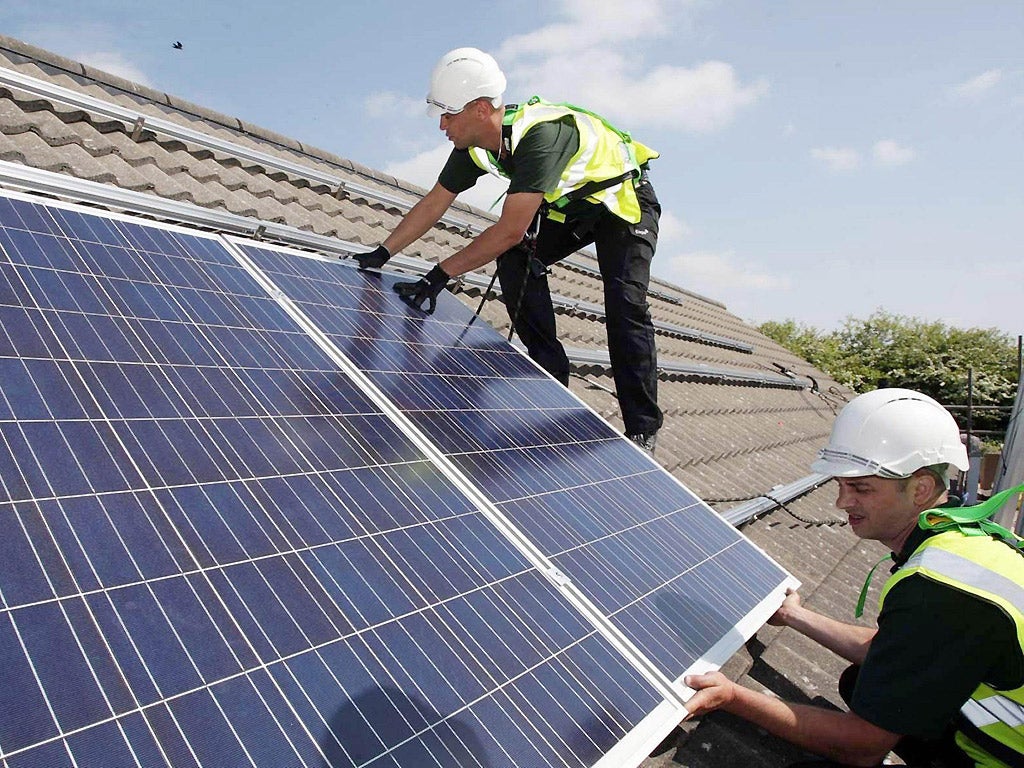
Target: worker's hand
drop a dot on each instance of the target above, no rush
(781, 617)
(424, 290)
(374, 259)
(713, 691)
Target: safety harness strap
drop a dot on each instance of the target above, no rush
(592, 188)
(867, 583)
(974, 520)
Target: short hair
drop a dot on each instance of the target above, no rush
(939, 471)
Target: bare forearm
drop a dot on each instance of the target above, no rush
(421, 217)
(516, 215)
(485, 248)
(850, 641)
(840, 736)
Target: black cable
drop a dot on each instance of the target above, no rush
(728, 501)
(532, 235)
(814, 523)
(487, 293)
(805, 521)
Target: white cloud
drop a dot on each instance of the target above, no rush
(745, 287)
(116, 64)
(672, 230)
(888, 152)
(977, 86)
(94, 44)
(719, 274)
(590, 25)
(837, 158)
(423, 169)
(389, 104)
(593, 59)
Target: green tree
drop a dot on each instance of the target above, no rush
(817, 348)
(887, 350)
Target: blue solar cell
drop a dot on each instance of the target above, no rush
(173, 741)
(248, 552)
(48, 635)
(48, 755)
(105, 745)
(21, 699)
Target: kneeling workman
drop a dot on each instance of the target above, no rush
(941, 681)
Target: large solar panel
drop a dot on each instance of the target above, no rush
(228, 542)
(670, 574)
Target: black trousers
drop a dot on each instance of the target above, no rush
(624, 253)
(941, 752)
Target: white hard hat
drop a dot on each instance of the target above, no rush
(891, 433)
(462, 76)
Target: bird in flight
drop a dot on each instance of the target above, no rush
(177, 45)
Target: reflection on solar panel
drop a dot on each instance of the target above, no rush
(231, 541)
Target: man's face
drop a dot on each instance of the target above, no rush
(878, 508)
(462, 127)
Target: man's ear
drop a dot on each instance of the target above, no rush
(926, 486)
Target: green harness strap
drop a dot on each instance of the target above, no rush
(974, 520)
(970, 521)
(867, 583)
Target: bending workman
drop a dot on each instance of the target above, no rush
(573, 180)
(941, 680)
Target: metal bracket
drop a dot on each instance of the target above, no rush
(559, 578)
(261, 230)
(140, 121)
(340, 193)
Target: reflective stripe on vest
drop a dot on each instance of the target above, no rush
(994, 572)
(604, 153)
(994, 709)
(967, 571)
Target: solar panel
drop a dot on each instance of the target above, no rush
(224, 545)
(672, 576)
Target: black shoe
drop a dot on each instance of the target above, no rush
(645, 441)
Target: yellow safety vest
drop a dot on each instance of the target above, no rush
(981, 566)
(605, 154)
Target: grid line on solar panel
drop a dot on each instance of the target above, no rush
(563, 459)
(150, 678)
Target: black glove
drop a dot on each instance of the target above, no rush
(374, 259)
(424, 290)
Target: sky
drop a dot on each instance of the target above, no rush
(821, 160)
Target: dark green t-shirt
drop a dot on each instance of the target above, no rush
(535, 166)
(934, 645)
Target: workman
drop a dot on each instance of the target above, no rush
(573, 180)
(941, 680)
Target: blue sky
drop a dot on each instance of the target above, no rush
(819, 159)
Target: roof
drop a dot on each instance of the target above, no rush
(742, 414)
